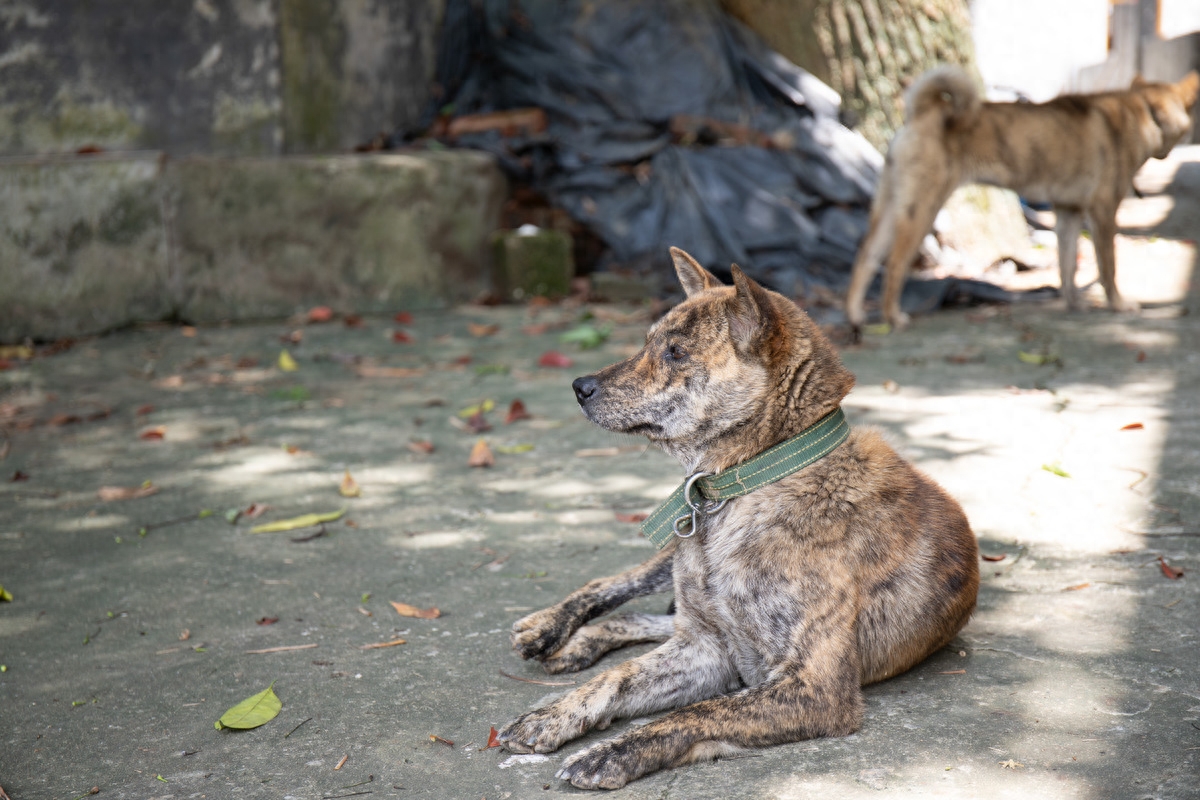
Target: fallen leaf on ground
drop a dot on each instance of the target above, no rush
(285, 649)
(352, 321)
(157, 433)
(246, 362)
(110, 493)
(401, 337)
(1010, 764)
(462, 361)
(493, 739)
(405, 610)
(349, 487)
(295, 337)
(514, 449)
(389, 372)
(1174, 573)
(586, 336)
(403, 318)
(184, 635)
(188, 331)
(1000, 557)
(1141, 356)
(481, 455)
(256, 510)
(516, 411)
(19, 476)
(890, 386)
(1056, 469)
(303, 521)
(477, 423)
(286, 362)
(440, 740)
(381, 645)
(423, 446)
(480, 331)
(553, 358)
(144, 410)
(170, 382)
(1133, 426)
(630, 518)
(5, 595)
(1077, 587)
(19, 351)
(342, 762)
(256, 710)
(480, 408)
(320, 314)
(266, 620)
(1036, 358)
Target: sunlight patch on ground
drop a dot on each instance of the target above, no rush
(93, 523)
(433, 540)
(567, 487)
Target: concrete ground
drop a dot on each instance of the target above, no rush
(1073, 442)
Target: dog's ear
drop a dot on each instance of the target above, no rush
(751, 312)
(693, 277)
(1190, 86)
(1138, 82)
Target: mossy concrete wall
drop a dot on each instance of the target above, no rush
(234, 77)
(88, 244)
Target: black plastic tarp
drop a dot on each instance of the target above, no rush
(790, 207)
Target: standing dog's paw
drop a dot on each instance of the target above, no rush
(542, 730)
(541, 633)
(607, 765)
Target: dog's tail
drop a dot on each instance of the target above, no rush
(947, 91)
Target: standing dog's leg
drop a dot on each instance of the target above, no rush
(1068, 224)
(1104, 232)
(543, 633)
(685, 669)
(871, 252)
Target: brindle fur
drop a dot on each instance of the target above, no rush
(788, 599)
(1079, 152)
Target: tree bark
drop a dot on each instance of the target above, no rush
(869, 51)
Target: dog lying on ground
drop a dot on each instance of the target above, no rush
(1078, 152)
(789, 598)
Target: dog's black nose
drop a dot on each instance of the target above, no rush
(585, 387)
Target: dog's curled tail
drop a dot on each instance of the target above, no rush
(947, 90)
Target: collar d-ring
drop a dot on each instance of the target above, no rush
(685, 525)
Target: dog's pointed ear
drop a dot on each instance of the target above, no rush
(1138, 82)
(693, 277)
(1190, 86)
(751, 312)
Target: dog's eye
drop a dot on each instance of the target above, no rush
(676, 353)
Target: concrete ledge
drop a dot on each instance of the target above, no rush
(91, 244)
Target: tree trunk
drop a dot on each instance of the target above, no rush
(869, 51)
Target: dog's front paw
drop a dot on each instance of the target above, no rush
(541, 633)
(607, 765)
(542, 730)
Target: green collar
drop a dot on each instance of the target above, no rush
(678, 515)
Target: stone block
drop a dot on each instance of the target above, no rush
(82, 245)
(533, 263)
(262, 238)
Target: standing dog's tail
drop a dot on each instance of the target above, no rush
(947, 90)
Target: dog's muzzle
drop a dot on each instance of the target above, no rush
(585, 388)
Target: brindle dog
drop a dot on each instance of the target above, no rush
(788, 599)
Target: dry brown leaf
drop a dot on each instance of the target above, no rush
(1000, 557)
(403, 318)
(480, 331)
(440, 740)
(516, 411)
(1133, 426)
(405, 610)
(155, 434)
(349, 487)
(401, 337)
(1077, 587)
(493, 739)
(342, 763)
(256, 510)
(320, 314)
(477, 423)
(1174, 573)
(144, 410)
(266, 621)
(423, 446)
(481, 455)
(389, 372)
(184, 635)
(111, 493)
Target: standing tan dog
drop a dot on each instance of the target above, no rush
(789, 598)
(1079, 152)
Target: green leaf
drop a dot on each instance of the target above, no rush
(205, 513)
(587, 336)
(5, 595)
(1056, 469)
(366, 596)
(491, 369)
(482, 408)
(880, 329)
(513, 448)
(1037, 358)
(231, 516)
(252, 712)
(303, 521)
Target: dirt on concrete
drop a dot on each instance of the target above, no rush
(1072, 441)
